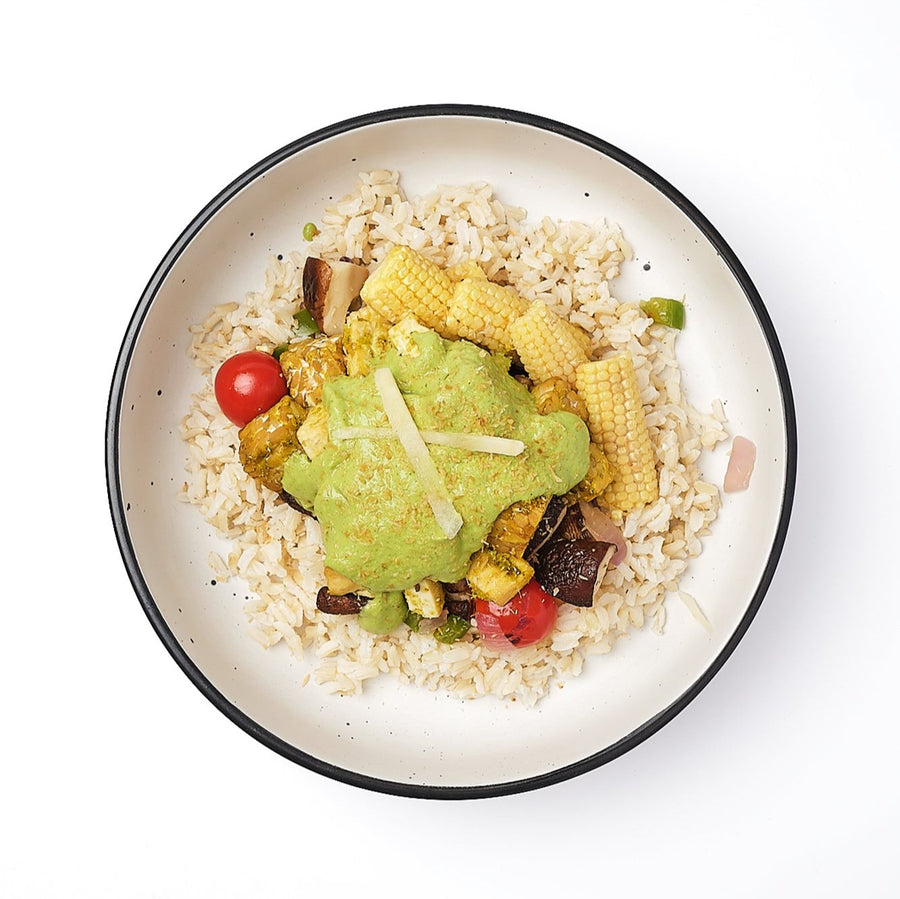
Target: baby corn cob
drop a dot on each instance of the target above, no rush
(616, 420)
(468, 269)
(547, 344)
(482, 311)
(405, 282)
(582, 337)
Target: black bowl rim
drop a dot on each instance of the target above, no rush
(177, 651)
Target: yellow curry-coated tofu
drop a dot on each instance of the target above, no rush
(496, 576)
(401, 335)
(268, 440)
(364, 338)
(312, 435)
(307, 364)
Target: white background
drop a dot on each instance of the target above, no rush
(779, 120)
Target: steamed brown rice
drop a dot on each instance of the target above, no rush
(277, 550)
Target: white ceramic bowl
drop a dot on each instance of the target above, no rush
(396, 738)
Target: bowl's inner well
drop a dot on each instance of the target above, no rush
(395, 732)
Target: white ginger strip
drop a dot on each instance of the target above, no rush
(401, 421)
(476, 443)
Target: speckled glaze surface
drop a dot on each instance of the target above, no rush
(395, 738)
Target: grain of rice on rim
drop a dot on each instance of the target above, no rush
(277, 550)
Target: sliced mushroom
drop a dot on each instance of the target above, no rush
(553, 516)
(572, 526)
(572, 570)
(458, 599)
(345, 604)
(294, 504)
(329, 290)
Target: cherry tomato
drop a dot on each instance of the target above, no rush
(247, 384)
(526, 619)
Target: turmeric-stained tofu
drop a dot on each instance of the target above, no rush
(557, 395)
(426, 598)
(497, 577)
(313, 433)
(364, 338)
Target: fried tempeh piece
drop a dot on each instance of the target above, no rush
(307, 364)
(267, 440)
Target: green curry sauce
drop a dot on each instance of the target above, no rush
(377, 526)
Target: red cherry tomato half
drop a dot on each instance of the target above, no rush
(247, 384)
(526, 619)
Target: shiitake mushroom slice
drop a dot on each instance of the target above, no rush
(345, 604)
(458, 599)
(329, 290)
(551, 520)
(572, 570)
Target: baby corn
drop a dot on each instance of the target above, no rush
(482, 311)
(468, 269)
(549, 346)
(616, 420)
(407, 282)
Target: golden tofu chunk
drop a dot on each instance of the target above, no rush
(497, 577)
(307, 364)
(426, 598)
(339, 584)
(364, 338)
(268, 440)
(313, 433)
(401, 335)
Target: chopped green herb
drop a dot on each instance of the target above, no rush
(452, 630)
(305, 324)
(665, 311)
(310, 231)
(279, 350)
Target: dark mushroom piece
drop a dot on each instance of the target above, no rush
(458, 599)
(329, 290)
(345, 604)
(553, 516)
(572, 526)
(572, 570)
(294, 503)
